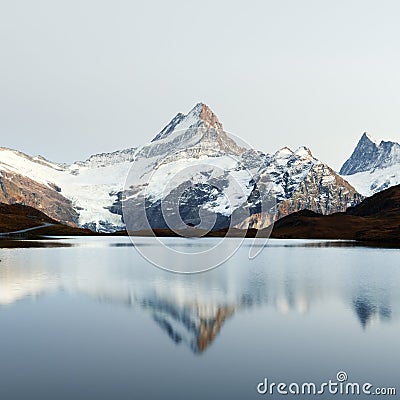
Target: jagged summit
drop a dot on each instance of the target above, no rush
(207, 115)
(373, 167)
(199, 114)
(369, 155)
(366, 136)
(199, 132)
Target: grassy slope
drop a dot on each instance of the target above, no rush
(16, 217)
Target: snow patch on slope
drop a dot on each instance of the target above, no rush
(370, 182)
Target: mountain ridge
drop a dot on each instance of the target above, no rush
(369, 155)
(373, 166)
(191, 148)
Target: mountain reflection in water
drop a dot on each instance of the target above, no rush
(192, 309)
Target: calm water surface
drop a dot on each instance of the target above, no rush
(91, 319)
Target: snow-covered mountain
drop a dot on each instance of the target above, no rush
(192, 170)
(196, 175)
(77, 194)
(300, 181)
(373, 166)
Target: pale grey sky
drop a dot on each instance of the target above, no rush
(85, 76)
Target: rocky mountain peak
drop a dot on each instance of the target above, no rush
(366, 137)
(168, 129)
(207, 115)
(199, 132)
(200, 114)
(369, 156)
(363, 156)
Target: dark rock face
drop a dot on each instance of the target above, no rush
(181, 208)
(191, 202)
(99, 226)
(368, 156)
(321, 191)
(363, 157)
(170, 127)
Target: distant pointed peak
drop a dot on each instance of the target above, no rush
(199, 108)
(367, 137)
(364, 156)
(201, 112)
